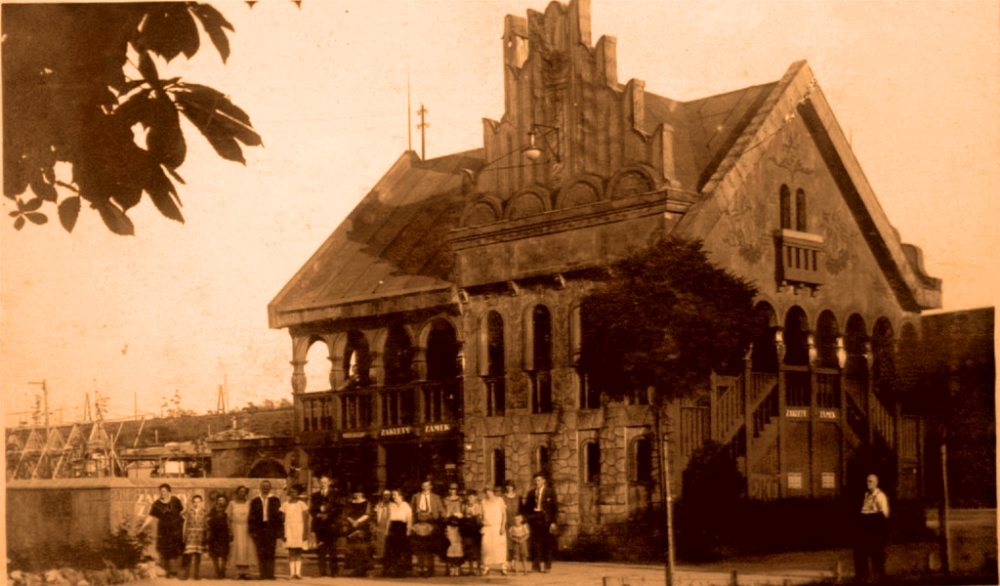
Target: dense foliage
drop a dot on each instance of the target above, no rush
(81, 87)
(667, 319)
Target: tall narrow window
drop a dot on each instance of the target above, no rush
(499, 467)
(541, 366)
(542, 464)
(592, 462)
(495, 371)
(590, 397)
(786, 208)
(642, 463)
(800, 211)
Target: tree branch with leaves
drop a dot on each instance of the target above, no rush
(72, 95)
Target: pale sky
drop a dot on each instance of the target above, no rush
(182, 307)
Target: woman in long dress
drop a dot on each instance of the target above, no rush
(454, 556)
(242, 550)
(398, 555)
(167, 510)
(382, 523)
(494, 531)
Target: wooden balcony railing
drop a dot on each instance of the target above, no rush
(366, 408)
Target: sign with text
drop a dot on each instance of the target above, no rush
(796, 413)
(828, 480)
(438, 427)
(827, 413)
(391, 431)
(349, 435)
(795, 480)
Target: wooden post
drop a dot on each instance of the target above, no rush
(943, 526)
(664, 449)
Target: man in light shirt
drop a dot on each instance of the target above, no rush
(873, 534)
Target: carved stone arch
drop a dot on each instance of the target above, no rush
(796, 336)
(883, 349)
(764, 355)
(528, 202)
(424, 330)
(582, 191)
(630, 181)
(486, 210)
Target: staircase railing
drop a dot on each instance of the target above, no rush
(728, 415)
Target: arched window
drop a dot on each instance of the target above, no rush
(499, 467)
(800, 211)
(642, 460)
(317, 367)
(764, 357)
(540, 363)
(591, 464)
(589, 396)
(398, 356)
(884, 358)
(796, 337)
(443, 393)
(786, 208)
(357, 361)
(826, 340)
(542, 464)
(494, 371)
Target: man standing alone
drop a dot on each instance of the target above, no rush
(267, 525)
(873, 534)
(542, 511)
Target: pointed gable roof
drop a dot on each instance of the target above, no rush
(392, 244)
(798, 94)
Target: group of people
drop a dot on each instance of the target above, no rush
(472, 534)
(239, 528)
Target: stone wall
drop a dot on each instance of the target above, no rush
(68, 511)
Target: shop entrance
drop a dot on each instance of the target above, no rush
(409, 463)
(351, 466)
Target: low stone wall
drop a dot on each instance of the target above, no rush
(70, 510)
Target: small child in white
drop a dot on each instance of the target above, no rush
(519, 534)
(296, 527)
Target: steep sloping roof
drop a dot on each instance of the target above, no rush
(798, 94)
(392, 243)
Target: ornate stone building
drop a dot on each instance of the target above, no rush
(449, 298)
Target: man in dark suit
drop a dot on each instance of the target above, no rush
(326, 511)
(542, 511)
(428, 513)
(267, 524)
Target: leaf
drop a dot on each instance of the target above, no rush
(136, 108)
(218, 119)
(45, 191)
(37, 218)
(165, 140)
(31, 205)
(69, 211)
(19, 223)
(147, 68)
(213, 22)
(169, 30)
(14, 214)
(176, 176)
(115, 219)
(162, 192)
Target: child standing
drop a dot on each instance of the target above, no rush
(519, 534)
(296, 529)
(195, 523)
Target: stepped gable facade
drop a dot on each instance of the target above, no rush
(448, 300)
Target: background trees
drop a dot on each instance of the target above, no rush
(81, 88)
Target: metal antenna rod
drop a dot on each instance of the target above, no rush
(423, 134)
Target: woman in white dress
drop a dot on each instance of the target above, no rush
(494, 531)
(242, 550)
(296, 529)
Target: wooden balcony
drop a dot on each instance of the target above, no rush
(800, 256)
(369, 411)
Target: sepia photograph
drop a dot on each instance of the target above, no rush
(599, 292)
